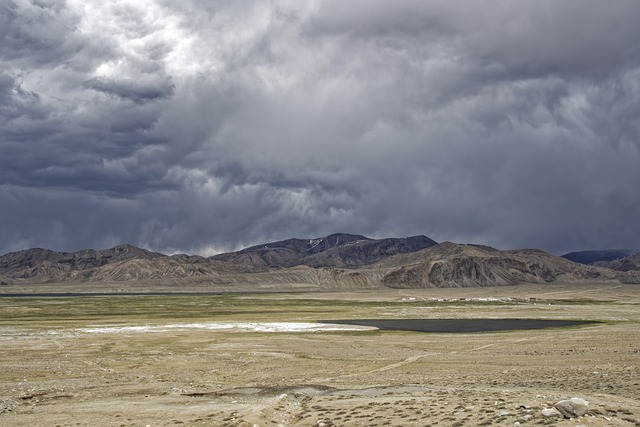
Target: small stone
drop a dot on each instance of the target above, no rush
(574, 407)
(551, 413)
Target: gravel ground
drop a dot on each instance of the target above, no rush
(100, 370)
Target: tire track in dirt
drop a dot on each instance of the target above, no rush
(415, 358)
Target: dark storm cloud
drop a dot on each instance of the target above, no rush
(132, 90)
(203, 126)
(37, 33)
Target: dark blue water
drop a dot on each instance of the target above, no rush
(460, 325)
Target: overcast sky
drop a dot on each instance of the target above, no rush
(202, 126)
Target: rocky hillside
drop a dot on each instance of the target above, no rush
(455, 265)
(625, 261)
(339, 261)
(336, 250)
(629, 263)
(47, 264)
(126, 262)
(5, 281)
(598, 256)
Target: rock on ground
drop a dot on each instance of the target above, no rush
(572, 408)
(551, 413)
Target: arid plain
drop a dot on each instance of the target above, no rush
(261, 359)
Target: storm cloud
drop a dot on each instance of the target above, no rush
(199, 126)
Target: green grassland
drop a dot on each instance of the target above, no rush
(76, 311)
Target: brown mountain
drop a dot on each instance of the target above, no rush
(337, 250)
(595, 257)
(338, 261)
(126, 262)
(455, 265)
(49, 265)
(5, 281)
(629, 263)
(628, 268)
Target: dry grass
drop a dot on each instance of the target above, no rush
(53, 374)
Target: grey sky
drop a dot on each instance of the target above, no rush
(205, 126)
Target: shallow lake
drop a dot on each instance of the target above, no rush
(460, 325)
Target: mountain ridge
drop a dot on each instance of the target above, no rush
(628, 263)
(337, 261)
(337, 250)
(599, 255)
(34, 262)
(458, 265)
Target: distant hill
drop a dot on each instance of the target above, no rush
(457, 265)
(37, 262)
(337, 250)
(338, 261)
(629, 263)
(593, 256)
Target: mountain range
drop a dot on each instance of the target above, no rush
(600, 257)
(336, 250)
(338, 261)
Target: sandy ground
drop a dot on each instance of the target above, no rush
(94, 371)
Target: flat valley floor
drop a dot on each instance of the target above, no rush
(262, 359)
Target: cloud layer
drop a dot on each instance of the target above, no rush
(201, 126)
